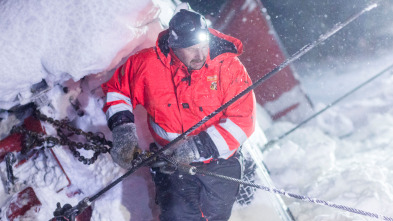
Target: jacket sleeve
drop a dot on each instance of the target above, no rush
(119, 100)
(238, 122)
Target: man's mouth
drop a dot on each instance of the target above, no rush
(198, 62)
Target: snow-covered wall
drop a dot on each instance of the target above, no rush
(58, 40)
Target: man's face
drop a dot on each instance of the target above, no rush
(194, 57)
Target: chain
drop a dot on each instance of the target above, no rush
(94, 141)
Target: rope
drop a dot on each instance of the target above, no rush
(269, 144)
(193, 170)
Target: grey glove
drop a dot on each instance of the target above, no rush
(185, 151)
(125, 144)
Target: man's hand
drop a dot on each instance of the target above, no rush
(185, 151)
(125, 143)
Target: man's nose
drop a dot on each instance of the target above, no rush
(200, 55)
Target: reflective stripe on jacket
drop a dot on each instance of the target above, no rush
(176, 100)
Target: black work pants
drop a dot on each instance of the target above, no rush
(198, 197)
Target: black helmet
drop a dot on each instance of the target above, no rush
(187, 28)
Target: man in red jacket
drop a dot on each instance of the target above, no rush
(190, 72)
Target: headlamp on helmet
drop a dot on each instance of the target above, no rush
(203, 36)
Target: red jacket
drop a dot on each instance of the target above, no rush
(176, 100)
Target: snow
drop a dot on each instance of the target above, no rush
(57, 40)
(342, 156)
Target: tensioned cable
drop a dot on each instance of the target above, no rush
(269, 144)
(194, 170)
